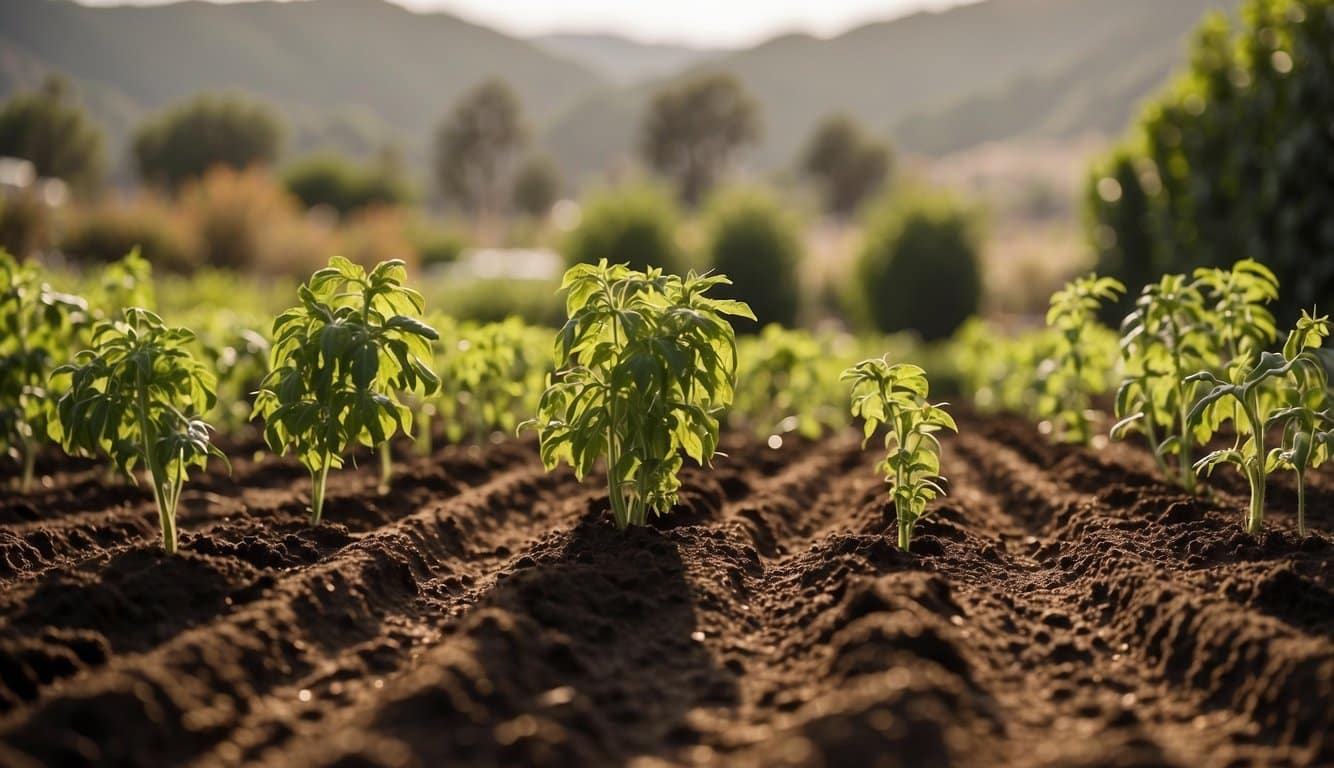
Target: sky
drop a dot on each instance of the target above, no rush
(730, 23)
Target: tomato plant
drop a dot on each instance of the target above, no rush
(492, 376)
(37, 327)
(136, 396)
(1080, 366)
(337, 364)
(646, 363)
(788, 381)
(896, 396)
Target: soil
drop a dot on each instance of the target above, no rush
(1062, 607)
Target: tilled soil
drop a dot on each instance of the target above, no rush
(1061, 608)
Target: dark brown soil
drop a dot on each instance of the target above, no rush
(1062, 608)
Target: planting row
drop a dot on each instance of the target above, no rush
(643, 371)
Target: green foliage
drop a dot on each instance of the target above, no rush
(491, 375)
(788, 381)
(896, 396)
(102, 234)
(344, 186)
(753, 239)
(188, 140)
(37, 328)
(26, 224)
(1223, 164)
(478, 147)
(646, 363)
(136, 395)
(694, 128)
(918, 266)
(1286, 389)
(998, 371)
(536, 187)
(337, 363)
(849, 166)
(1170, 334)
(634, 226)
(1081, 364)
(48, 129)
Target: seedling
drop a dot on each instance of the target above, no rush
(1168, 335)
(646, 363)
(136, 396)
(338, 362)
(896, 395)
(1077, 370)
(37, 326)
(1281, 389)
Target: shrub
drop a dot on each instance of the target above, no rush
(848, 165)
(243, 220)
(635, 226)
(344, 186)
(536, 187)
(376, 235)
(918, 267)
(25, 224)
(105, 233)
(755, 241)
(189, 140)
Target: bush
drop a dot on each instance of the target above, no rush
(243, 220)
(189, 140)
(1232, 159)
(435, 244)
(107, 232)
(848, 165)
(918, 267)
(343, 185)
(536, 187)
(635, 226)
(536, 302)
(377, 235)
(756, 243)
(25, 224)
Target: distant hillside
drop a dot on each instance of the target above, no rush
(336, 67)
(621, 60)
(996, 69)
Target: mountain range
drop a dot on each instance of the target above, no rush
(354, 74)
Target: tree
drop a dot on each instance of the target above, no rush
(756, 242)
(918, 268)
(188, 140)
(693, 130)
(849, 165)
(536, 187)
(48, 129)
(478, 146)
(343, 185)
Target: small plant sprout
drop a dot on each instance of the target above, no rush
(1078, 369)
(37, 326)
(1167, 336)
(1284, 389)
(896, 395)
(645, 365)
(135, 396)
(337, 363)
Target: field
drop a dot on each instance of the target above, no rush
(1062, 607)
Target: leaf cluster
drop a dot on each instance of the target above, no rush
(1078, 369)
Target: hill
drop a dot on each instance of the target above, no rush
(1091, 60)
(335, 67)
(622, 60)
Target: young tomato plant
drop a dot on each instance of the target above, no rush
(1078, 369)
(135, 396)
(1168, 335)
(1281, 389)
(337, 364)
(37, 327)
(896, 395)
(788, 381)
(645, 365)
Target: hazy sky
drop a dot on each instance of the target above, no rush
(704, 22)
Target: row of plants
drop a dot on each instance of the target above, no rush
(643, 373)
(1196, 371)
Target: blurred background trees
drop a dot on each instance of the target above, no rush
(188, 140)
(848, 165)
(693, 130)
(756, 241)
(478, 147)
(635, 225)
(48, 128)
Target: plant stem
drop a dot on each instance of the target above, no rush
(319, 479)
(386, 468)
(1301, 502)
(29, 468)
(1256, 472)
(905, 533)
(1256, 513)
(157, 474)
